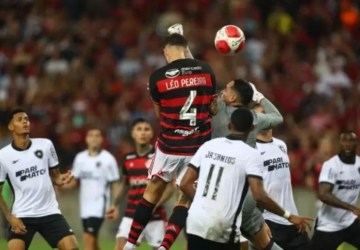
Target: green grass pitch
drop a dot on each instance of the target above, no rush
(40, 244)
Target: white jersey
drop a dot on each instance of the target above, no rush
(223, 165)
(27, 171)
(95, 173)
(277, 178)
(346, 181)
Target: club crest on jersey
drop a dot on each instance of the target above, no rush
(39, 154)
(282, 148)
(171, 73)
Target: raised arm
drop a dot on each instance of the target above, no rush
(271, 116)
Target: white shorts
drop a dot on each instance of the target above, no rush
(153, 233)
(168, 167)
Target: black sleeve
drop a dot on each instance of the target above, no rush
(154, 93)
(122, 166)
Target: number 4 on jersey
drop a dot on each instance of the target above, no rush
(189, 114)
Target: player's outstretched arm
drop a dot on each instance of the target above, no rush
(271, 116)
(187, 183)
(260, 196)
(17, 226)
(326, 196)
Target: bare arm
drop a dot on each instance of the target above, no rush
(326, 196)
(157, 110)
(59, 179)
(187, 183)
(119, 191)
(260, 196)
(17, 225)
(3, 205)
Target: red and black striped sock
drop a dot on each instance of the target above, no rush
(142, 216)
(175, 225)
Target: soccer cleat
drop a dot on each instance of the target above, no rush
(161, 248)
(176, 28)
(129, 246)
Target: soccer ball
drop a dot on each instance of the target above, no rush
(229, 40)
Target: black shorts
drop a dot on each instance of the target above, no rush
(51, 227)
(331, 240)
(288, 237)
(92, 225)
(197, 243)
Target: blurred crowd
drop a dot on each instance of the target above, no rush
(80, 63)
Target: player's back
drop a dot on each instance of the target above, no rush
(221, 188)
(183, 89)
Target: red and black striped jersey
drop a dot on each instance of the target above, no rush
(183, 89)
(135, 169)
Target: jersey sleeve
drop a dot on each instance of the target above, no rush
(154, 93)
(53, 160)
(328, 173)
(2, 174)
(113, 170)
(123, 167)
(254, 166)
(76, 168)
(271, 118)
(195, 161)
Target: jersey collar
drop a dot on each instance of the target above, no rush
(237, 138)
(20, 149)
(261, 141)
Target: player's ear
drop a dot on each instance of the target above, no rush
(11, 126)
(230, 126)
(251, 128)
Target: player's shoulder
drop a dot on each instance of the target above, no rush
(278, 142)
(41, 141)
(130, 156)
(107, 154)
(332, 161)
(82, 154)
(5, 150)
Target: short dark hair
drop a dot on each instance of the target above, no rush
(347, 132)
(176, 40)
(14, 112)
(139, 120)
(244, 90)
(242, 119)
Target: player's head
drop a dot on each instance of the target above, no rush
(18, 122)
(175, 47)
(348, 143)
(142, 131)
(241, 121)
(94, 138)
(237, 92)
